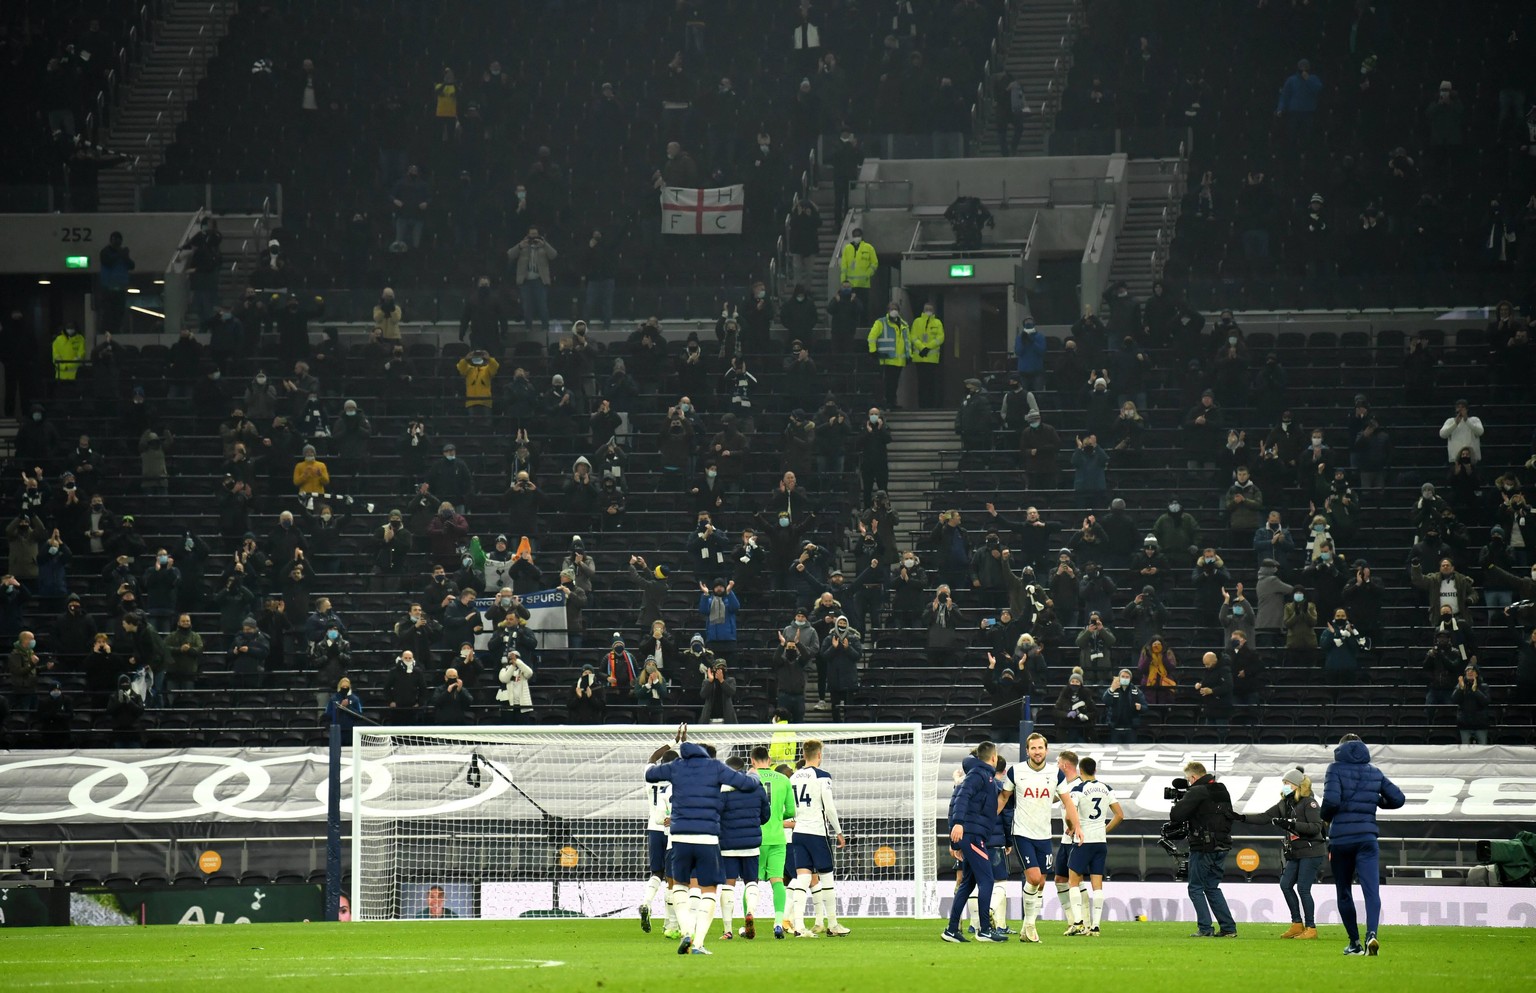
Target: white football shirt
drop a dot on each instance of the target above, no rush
(1093, 800)
(1033, 793)
(815, 812)
(660, 805)
(1065, 788)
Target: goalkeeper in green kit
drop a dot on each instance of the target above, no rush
(781, 815)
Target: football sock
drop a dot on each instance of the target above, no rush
(677, 905)
(829, 899)
(1098, 907)
(1033, 897)
(727, 905)
(1075, 897)
(779, 899)
(706, 917)
(799, 890)
(651, 886)
(1061, 894)
(749, 900)
(972, 912)
(695, 905)
(999, 906)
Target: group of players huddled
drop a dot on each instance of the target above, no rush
(996, 808)
(714, 823)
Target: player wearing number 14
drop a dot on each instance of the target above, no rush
(815, 819)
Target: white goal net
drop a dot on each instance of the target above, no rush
(501, 823)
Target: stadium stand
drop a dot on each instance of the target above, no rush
(162, 431)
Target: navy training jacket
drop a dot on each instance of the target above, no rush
(975, 803)
(696, 798)
(742, 820)
(1352, 793)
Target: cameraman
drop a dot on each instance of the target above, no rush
(1207, 809)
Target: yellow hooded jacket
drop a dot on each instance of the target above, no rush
(477, 381)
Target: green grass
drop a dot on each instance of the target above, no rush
(614, 957)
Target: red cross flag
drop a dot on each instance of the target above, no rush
(717, 211)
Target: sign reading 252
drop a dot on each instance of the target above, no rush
(74, 235)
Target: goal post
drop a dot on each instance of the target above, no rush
(508, 822)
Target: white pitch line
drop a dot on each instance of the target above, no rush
(492, 965)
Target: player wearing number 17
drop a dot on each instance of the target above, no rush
(696, 779)
(972, 814)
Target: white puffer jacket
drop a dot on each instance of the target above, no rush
(514, 683)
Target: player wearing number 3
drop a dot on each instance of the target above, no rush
(808, 851)
(1099, 813)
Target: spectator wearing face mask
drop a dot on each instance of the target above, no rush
(331, 655)
(1247, 668)
(1210, 577)
(888, 341)
(445, 533)
(841, 650)
(648, 687)
(926, 339)
(1344, 649)
(1074, 710)
(1177, 530)
(588, 703)
(1300, 621)
(478, 370)
(1236, 614)
(311, 476)
(858, 265)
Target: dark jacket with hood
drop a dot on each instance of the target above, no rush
(1353, 792)
(696, 780)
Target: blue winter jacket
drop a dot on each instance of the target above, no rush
(726, 629)
(696, 798)
(1353, 791)
(1029, 351)
(975, 804)
(742, 820)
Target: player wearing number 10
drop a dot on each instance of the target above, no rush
(696, 778)
(1035, 786)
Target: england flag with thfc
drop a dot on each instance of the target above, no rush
(717, 211)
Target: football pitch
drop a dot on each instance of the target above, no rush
(615, 957)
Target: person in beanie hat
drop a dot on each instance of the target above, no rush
(718, 694)
(618, 666)
(1299, 818)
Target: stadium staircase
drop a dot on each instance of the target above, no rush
(919, 439)
(1037, 50)
(1156, 189)
(156, 101)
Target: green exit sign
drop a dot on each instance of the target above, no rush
(961, 271)
(77, 261)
